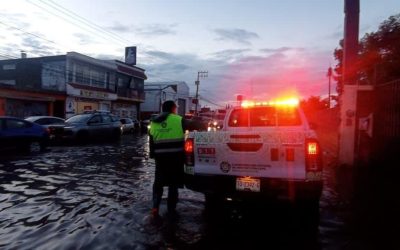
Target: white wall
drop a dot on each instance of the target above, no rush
(154, 90)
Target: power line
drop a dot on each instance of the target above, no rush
(28, 33)
(8, 56)
(34, 35)
(72, 22)
(84, 20)
(208, 101)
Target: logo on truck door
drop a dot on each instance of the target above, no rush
(225, 166)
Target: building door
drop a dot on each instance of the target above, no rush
(59, 109)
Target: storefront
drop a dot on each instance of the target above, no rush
(86, 98)
(125, 109)
(23, 103)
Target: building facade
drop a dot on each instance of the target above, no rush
(69, 84)
(158, 92)
(32, 86)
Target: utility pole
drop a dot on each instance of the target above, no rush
(197, 82)
(329, 74)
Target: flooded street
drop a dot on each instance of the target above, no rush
(99, 197)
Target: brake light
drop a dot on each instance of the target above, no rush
(189, 145)
(312, 148)
(189, 152)
(313, 156)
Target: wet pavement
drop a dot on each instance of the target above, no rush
(99, 196)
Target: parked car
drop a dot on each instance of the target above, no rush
(89, 125)
(45, 121)
(136, 123)
(22, 135)
(197, 123)
(127, 125)
(145, 124)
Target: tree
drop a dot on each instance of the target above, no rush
(314, 103)
(338, 76)
(379, 55)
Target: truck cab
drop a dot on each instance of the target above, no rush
(264, 150)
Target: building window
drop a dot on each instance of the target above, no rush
(8, 82)
(97, 78)
(9, 67)
(86, 75)
(111, 81)
(79, 74)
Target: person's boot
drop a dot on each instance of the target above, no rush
(155, 212)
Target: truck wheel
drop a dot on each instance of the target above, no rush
(309, 214)
(214, 204)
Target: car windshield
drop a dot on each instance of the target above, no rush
(264, 117)
(79, 118)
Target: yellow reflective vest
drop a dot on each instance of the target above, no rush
(168, 135)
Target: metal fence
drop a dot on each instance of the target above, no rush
(386, 131)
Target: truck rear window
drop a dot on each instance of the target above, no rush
(264, 117)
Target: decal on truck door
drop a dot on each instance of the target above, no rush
(225, 167)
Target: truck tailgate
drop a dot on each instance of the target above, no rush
(272, 154)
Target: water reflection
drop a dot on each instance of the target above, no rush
(98, 196)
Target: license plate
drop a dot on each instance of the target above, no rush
(248, 184)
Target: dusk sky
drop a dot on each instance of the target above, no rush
(259, 48)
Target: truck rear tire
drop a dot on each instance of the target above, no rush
(214, 204)
(308, 213)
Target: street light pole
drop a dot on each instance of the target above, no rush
(197, 82)
(329, 86)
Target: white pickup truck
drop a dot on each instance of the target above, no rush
(264, 150)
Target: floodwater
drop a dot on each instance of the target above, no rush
(99, 197)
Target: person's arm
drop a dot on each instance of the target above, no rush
(151, 146)
(186, 125)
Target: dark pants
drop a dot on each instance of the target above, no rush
(172, 196)
(169, 172)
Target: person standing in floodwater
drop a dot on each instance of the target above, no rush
(167, 148)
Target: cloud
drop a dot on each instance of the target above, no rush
(118, 27)
(236, 35)
(37, 46)
(106, 56)
(152, 30)
(301, 71)
(15, 19)
(84, 39)
(268, 76)
(229, 54)
(280, 50)
(337, 35)
(148, 30)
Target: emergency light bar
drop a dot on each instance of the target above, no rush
(292, 102)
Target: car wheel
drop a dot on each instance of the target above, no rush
(116, 135)
(82, 136)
